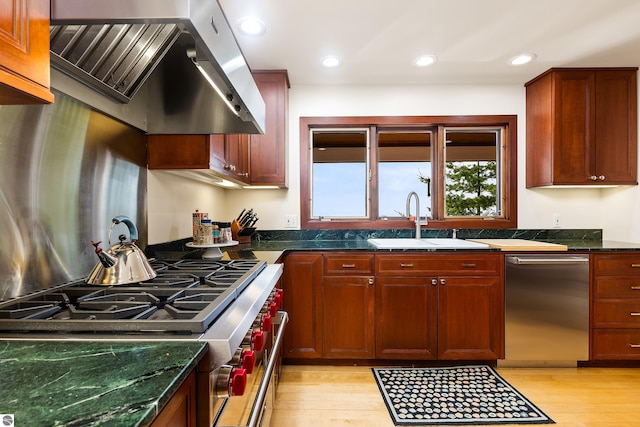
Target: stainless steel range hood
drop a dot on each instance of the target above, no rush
(118, 47)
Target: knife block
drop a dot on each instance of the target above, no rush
(236, 232)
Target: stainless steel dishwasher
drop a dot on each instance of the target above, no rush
(546, 310)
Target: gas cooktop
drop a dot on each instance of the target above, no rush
(185, 297)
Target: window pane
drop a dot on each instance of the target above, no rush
(404, 165)
(339, 174)
(472, 163)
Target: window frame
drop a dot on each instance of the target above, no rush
(510, 172)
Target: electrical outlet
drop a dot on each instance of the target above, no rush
(556, 220)
(291, 221)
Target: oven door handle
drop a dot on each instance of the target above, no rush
(256, 410)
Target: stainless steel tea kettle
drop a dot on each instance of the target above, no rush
(124, 262)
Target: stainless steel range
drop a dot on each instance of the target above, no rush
(233, 306)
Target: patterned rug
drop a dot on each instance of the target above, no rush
(467, 395)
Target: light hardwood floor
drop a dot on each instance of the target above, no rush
(323, 396)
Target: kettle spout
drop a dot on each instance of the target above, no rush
(106, 259)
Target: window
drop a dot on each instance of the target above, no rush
(356, 172)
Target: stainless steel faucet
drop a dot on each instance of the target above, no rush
(413, 193)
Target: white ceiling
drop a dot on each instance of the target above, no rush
(473, 39)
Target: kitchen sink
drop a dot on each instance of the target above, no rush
(426, 243)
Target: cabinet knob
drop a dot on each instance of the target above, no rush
(434, 282)
(230, 167)
(443, 282)
(601, 178)
(371, 281)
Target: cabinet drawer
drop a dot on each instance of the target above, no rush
(616, 287)
(348, 264)
(616, 313)
(616, 264)
(411, 265)
(616, 344)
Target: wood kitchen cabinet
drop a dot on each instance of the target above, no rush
(24, 52)
(440, 306)
(243, 158)
(395, 306)
(180, 411)
(582, 127)
(615, 306)
(348, 306)
(226, 155)
(302, 286)
(268, 152)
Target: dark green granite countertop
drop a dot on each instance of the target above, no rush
(269, 245)
(91, 383)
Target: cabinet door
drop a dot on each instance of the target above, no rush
(180, 411)
(348, 317)
(178, 151)
(616, 127)
(24, 52)
(237, 156)
(406, 318)
(302, 286)
(574, 127)
(470, 318)
(268, 151)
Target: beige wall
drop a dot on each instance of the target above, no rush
(613, 210)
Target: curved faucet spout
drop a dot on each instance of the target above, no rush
(417, 220)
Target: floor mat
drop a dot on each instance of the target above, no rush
(464, 395)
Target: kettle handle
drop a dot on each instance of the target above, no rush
(133, 231)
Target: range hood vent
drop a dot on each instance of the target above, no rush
(117, 47)
(113, 59)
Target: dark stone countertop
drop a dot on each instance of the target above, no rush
(91, 383)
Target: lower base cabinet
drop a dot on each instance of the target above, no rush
(440, 306)
(302, 286)
(180, 411)
(615, 306)
(394, 306)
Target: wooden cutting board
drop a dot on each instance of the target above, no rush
(520, 245)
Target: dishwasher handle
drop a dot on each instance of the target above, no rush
(546, 260)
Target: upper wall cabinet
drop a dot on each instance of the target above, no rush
(24, 52)
(268, 152)
(245, 159)
(582, 127)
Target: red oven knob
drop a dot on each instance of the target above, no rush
(248, 359)
(265, 323)
(257, 340)
(244, 358)
(278, 296)
(237, 382)
(273, 308)
(231, 381)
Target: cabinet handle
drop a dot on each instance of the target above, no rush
(443, 282)
(635, 265)
(434, 282)
(348, 266)
(230, 167)
(635, 288)
(406, 265)
(469, 266)
(634, 345)
(634, 313)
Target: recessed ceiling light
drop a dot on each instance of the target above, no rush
(522, 59)
(251, 26)
(331, 61)
(424, 60)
